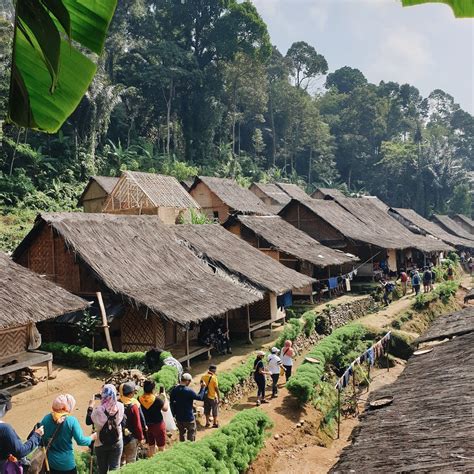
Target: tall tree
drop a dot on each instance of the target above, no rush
(306, 63)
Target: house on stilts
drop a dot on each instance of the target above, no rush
(25, 300)
(293, 248)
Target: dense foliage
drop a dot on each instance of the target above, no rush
(196, 87)
(228, 450)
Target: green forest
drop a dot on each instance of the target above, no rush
(196, 87)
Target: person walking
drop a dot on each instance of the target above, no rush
(12, 449)
(107, 419)
(259, 373)
(404, 281)
(426, 280)
(287, 355)
(274, 365)
(211, 399)
(152, 407)
(416, 282)
(181, 403)
(60, 428)
(133, 433)
(433, 277)
(450, 273)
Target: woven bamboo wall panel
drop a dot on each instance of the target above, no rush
(41, 253)
(13, 341)
(261, 309)
(140, 333)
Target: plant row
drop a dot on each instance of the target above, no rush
(230, 449)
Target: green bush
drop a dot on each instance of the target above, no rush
(291, 331)
(230, 449)
(309, 323)
(335, 350)
(444, 292)
(228, 380)
(167, 377)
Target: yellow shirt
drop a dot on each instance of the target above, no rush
(212, 384)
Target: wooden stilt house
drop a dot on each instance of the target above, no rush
(232, 256)
(26, 299)
(96, 193)
(292, 247)
(150, 194)
(166, 291)
(220, 198)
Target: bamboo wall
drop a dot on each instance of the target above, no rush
(210, 204)
(141, 330)
(94, 199)
(13, 341)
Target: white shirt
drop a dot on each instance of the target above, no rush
(274, 363)
(286, 359)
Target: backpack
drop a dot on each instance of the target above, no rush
(416, 280)
(126, 430)
(109, 433)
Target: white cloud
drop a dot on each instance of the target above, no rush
(403, 56)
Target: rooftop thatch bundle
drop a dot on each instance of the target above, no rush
(149, 190)
(107, 183)
(327, 193)
(138, 258)
(26, 297)
(378, 221)
(451, 226)
(274, 192)
(377, 202)
(236, 197)
(467, 221)
(450, 325)
(226, 251)
(287, 238)
(293, 190)
(428, 427)
(419, 224)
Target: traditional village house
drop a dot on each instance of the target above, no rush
(220, 198)
(375, 245)
(150, 194)
(419, 225)
(26, 299)
(293, 248)
(328, 194)
(96, 193)
(135, 261)
(233, 257)
(451, 226)
(465, 222)
(271, 194)
(293, 190)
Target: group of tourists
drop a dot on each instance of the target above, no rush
(276, 366)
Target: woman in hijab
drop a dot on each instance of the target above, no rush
(63, 428)
(11, 447)
(107, 419)
(287, 354)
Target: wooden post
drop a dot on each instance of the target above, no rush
(338, 413)
(105, 324)
(188, 362)
(386, 355)
(368, 376)
(329, 288)
(227, 321)
(355, 391)
(248, 325)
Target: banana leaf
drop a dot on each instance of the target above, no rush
(461, 8)
(55, 49)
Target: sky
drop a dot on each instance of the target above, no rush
(425, 46)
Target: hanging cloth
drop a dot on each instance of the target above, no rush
(348, 284)
(371, 356)
(332, 283)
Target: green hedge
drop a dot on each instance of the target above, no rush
(335, 349)
(167, 377)
(444, 292)
(230, 449)
(228, 380)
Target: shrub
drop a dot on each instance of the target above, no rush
(229, 449)
(309, 323)
(228, 380)
(291, 331)
(167, 377)
(444, 291)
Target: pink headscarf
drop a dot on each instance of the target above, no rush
(109, 403)
(63, 405)
(288, 349)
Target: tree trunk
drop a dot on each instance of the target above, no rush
(14, 151)
(272, 124)
(168, 117)
(310, 164)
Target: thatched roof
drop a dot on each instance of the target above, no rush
(230, 193)
(377, 202)
(450, 325)
(466, 220)
(293, 190)
(428, 427)
(331, 193)
(274, 192)
(151, 190)
(138, 258)
(287, 238)
(419, 224)
(378, 221)
(107, 183)
(451, 226)
(26, 297)
(232, 254)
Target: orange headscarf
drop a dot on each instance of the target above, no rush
(63, 405)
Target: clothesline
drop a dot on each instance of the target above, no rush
(372, 353)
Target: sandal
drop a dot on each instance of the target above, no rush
(215, 426)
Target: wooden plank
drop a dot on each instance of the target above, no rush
(105, 324)
(36, 358)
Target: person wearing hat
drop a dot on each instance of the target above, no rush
(211, 400)
(181, 402)
(259, 373)
(133, 433)
(274, 365)
(11, 445)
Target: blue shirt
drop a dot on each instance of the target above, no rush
(61, 452)
(181, 401)
(10, 443)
